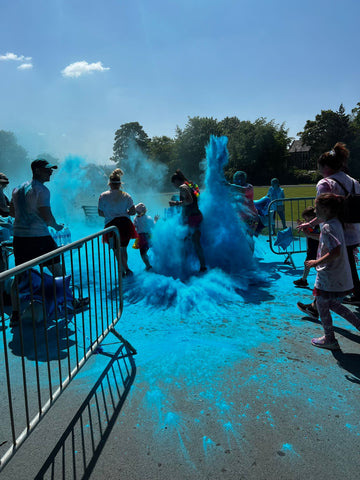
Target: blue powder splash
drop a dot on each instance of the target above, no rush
(67, 186)
(174, 280)
(228, 245)
(224, 236)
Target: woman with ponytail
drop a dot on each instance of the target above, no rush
(190, 212)
(332, 166)
(116, 206)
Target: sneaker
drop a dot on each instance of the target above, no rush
(351, 300)
(301, 282)
(81, 304)
(321, 342)
(309, 310)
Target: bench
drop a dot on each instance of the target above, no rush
(91, 212)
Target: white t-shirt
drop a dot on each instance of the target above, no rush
(115, 203)
(328, 185)
(333, 276)
(27, 199)
(143, 223)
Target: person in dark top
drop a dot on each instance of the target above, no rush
(311, 243)
(190, 212)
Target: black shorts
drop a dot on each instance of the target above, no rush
(28, 248)
(312, 247)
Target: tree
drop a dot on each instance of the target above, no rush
(328, 128)
(161, 149)
(259, 148)
(128, 135)
(12, 156)
(354, 161)
(189, 148)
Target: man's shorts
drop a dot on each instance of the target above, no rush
(28, 248)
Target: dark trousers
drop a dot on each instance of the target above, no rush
(355, 277)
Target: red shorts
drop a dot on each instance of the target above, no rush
(126, 230)
(144, 242)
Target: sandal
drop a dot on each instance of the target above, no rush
(321, 342)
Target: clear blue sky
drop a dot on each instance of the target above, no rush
(73, 71)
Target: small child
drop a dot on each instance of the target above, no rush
(143, 225)
(333, 279)
(312, 245)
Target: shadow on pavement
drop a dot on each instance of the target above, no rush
(346, 361)
(48, 344)
(77, 451)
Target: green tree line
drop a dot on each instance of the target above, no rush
(260, 148)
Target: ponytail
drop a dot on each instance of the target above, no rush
(178, 175)
(115, 176)
(336, 158)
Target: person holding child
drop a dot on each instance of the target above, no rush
(143, 224)
(312, 243)
(333, 279)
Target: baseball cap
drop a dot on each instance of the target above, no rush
(40, 163)
(3, 178)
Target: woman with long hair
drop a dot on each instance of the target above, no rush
(116, 206)
(190, 212)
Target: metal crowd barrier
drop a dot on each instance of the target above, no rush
(293, 210)
(63, 322)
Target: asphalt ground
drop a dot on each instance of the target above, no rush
(226, 389)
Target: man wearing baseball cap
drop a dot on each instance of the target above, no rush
(30, 205)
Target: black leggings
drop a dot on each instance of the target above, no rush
(354, 273)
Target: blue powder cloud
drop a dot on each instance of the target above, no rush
(224, 237)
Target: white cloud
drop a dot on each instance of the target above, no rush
(25, 66)
(14, 57)
(83, 68)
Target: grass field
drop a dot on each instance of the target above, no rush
(291, 191)
(294, 208)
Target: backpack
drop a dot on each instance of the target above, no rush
(351, 207)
